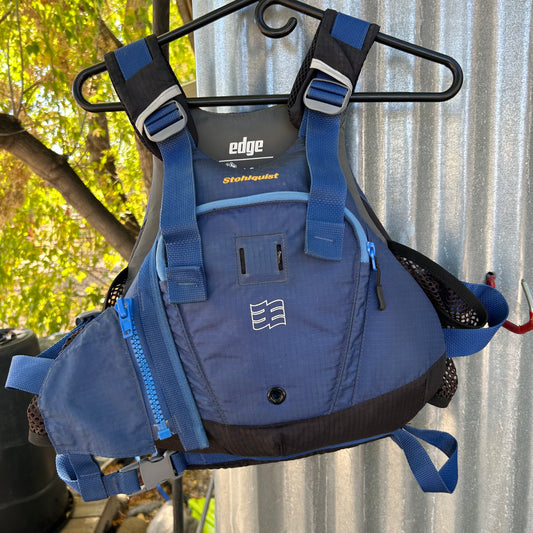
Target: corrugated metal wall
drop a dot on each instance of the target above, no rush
(451, 179)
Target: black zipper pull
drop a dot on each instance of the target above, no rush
(371, 248)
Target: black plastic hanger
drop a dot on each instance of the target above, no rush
(262, 99)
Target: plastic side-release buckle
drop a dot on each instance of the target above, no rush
(166, 121)
(327, 96)
(153, 470)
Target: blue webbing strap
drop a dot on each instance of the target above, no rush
(82, 473)
(326, 98)
(462, 342)
(27, 373)
(133, 58)
(429, 478)
(179, 227)
(324, 231)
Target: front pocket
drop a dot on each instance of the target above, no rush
(91, 400)
(275, 318)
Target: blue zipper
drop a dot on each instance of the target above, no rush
(371, 249)
(129, 332)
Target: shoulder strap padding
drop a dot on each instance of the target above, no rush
(144, 81)
(340, 47)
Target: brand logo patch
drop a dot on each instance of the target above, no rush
(268, 314)
(246, 147)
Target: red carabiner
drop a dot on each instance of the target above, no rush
(490, 279)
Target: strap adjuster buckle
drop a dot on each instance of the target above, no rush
(327, 96)
(154, 470)
(166, 121)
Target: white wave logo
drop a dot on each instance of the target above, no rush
(268, 314)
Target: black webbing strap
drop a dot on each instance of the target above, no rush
(144, 82)
(337, 51)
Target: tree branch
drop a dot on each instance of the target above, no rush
(55, 170)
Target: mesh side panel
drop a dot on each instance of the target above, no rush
(116, 290)
(445, 299)
(456, 306)
(35, 419)
(293, 105)
(302, 74)
(448, 387)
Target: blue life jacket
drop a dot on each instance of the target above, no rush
(266, 314)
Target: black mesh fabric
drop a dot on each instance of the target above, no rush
(448, 387)
(116, 290)
(456, 306)
(299, 82)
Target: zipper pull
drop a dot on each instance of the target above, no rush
(122, 308)
(371, 248)
(163, 431)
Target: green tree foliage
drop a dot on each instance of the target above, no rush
(54, 264)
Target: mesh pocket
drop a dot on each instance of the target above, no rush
(444, 395)
(455, 305)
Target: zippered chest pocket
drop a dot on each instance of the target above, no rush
(91, 400)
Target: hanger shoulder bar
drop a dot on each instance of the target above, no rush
(404, 46)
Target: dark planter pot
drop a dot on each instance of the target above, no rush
(32, 497)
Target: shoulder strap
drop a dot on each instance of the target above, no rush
(318, 103)
(145, 82)
(338, 50)
(156, 106)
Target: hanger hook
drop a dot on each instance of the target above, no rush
(269, 31)
(276, 33)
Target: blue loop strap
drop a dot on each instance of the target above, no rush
(429, 478)
(324, 232)
(462, 342)
(179, 227)
(83, 474)
(27, 373)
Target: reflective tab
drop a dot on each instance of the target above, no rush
(324, 239)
